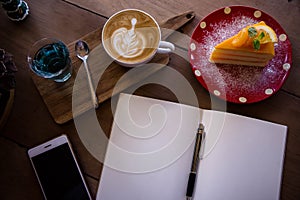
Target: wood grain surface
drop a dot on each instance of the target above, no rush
(30, 122)
(6, 99)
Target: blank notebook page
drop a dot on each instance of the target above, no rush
(246, 161)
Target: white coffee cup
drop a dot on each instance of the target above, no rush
(132, 37)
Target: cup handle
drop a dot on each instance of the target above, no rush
(165, 47)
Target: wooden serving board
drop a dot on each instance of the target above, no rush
(105, 73)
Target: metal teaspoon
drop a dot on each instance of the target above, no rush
(82, 52)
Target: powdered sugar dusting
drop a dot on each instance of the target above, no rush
(235, 81)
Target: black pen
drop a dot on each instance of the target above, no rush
(195, 162)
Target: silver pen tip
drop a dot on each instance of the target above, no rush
(201, 128)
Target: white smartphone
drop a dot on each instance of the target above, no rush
(57, 170)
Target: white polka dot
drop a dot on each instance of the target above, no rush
(197, 72)
(193, 46)
(192, 57)
(227, 10)
(202, 25)
(257, 14)
(217, 92)
(282, 37)
(286, 66)
(269, 91)
(242, 99)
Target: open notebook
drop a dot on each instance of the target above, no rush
(151, 147)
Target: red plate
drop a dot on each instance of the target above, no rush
(234, 83)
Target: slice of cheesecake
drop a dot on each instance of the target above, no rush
(252, 46)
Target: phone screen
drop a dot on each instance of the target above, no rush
(59, 175)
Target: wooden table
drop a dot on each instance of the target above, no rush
(30, 123)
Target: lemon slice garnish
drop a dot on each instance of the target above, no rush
(270, 35)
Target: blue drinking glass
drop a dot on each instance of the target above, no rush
(49, 58)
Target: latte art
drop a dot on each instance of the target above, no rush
(128, 43)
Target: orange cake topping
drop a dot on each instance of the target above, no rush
(255, 35)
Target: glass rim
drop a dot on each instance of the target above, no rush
(44, 40)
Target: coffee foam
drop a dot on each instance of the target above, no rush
(127, 45)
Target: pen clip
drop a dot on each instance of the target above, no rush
(201, 153)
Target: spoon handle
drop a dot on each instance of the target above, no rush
(91, 86)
